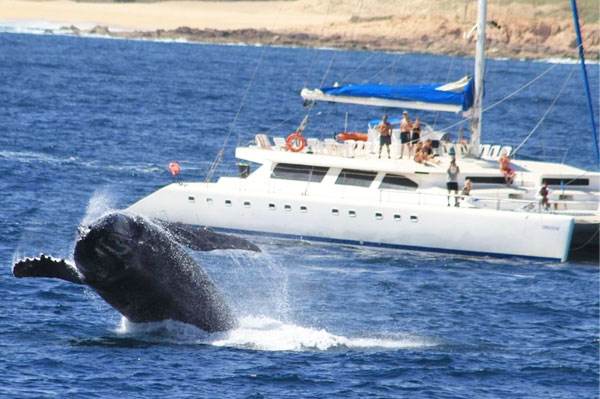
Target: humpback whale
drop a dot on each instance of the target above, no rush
(141, 269)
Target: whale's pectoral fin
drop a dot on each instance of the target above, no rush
(205, 239)
(45, 266)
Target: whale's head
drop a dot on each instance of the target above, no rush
(110, 248)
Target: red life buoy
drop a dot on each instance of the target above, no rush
(295, 142)
(174, 167)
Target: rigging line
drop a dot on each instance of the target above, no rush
(336, 52)
(285, 121)
(314, 57)
(437, 114)
(547, 112)
(505, 98)
(359, 66)
(219, 156)
(587, 242)
(379, 72)
(521, 88)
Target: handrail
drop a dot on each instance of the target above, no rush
(497, 200)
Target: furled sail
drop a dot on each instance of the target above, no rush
(449, 97)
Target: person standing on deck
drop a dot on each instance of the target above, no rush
(542, 195)
(416, 136)
(405, 129)
(385, 135)
(452, 181)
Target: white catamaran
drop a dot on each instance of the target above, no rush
(342, 192)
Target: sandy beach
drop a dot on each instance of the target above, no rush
(541, 29)
(271, 15)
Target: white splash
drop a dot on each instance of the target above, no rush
(267, 334)
(99, 204)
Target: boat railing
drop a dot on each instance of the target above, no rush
(357, 148)
(490, 203)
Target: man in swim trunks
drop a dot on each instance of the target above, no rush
(385, 135)
(405, 128)
(452, 181)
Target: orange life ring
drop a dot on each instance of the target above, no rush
(295, 142)
(353, 136)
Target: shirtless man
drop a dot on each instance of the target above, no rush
(405, 128)
(385, 132)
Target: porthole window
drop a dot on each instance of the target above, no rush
(352, 213)
(247, 204)
(397, 217)
(272, 206)
(414, 218)
(191, 198)
(287, 207)
(209, 201)
(378, 216)
(303, 209)
(227, 202)
(335, 212)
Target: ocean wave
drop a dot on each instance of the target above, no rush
(146, 168)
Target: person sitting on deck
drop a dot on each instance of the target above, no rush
(507, 172)
(428, 154)
(385, 138)
(466, 191)
(419, 153)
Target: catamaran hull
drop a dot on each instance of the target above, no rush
(410, 226)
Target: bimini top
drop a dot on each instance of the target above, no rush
(450, 97)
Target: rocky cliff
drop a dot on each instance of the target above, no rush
(516, 28)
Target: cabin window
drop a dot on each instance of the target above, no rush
(289, 171)
(487, 179)
(209, 201)
(272, 207)
(397, 182)
(191, 198)
(567, 182)
(287, 207)
(227, 202)
(303, 209)
(414, 218)
(247, 204)
(335, 212)
(360, 178)
(397, 218)
(352, 213)
(378, 216)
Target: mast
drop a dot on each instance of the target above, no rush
(585, 78)
(479, 71)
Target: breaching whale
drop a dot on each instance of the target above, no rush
(140, 268)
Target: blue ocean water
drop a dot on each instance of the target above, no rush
(90, 124)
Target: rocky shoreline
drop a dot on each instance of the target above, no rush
(543, 41)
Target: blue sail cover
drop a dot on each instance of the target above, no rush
(408, 93)
(449, 97)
